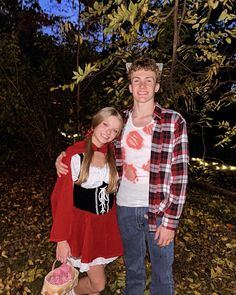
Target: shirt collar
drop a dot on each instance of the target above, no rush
(156, 113)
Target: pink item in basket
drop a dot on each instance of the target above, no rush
(61, 275)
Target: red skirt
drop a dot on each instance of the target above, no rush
(95, 235)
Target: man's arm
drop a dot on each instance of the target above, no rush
(179, 176)
(62, 168)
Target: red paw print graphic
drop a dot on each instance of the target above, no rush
(146, 166)
(148, 129)
(130, 172)
(134, 140)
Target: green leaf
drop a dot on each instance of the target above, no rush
(223, 15)
(228, 40)
(213, 3)
(195, 26)
(72, 86)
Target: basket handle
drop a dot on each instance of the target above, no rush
(54, 263)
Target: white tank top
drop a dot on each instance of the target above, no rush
(136, 152)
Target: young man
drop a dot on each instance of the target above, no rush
(152, 160)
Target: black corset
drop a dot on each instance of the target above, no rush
(94, 200)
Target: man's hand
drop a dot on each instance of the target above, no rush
(63, 251)
(62, 169)
(164, 236)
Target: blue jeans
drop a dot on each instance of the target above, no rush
(135, 235)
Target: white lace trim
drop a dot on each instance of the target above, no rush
(76, 262)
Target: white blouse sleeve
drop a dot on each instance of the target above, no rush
(75, 166)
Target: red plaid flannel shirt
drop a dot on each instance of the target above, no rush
(168, 168)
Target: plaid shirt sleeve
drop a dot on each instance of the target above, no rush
(179, 176)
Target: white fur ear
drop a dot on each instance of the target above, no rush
(128, 64)
(160, 66)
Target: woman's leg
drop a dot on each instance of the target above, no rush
(93, 283)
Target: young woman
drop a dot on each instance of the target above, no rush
(83, 206)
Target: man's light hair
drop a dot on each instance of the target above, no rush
(160, 66)
(145, 63)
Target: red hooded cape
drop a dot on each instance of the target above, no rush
(62, 198)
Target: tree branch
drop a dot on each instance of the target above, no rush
(182, 16)
(175, 45)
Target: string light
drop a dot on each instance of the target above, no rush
(202, 162)
(216, 165)
(69, 136)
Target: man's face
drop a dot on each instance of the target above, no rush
(143, 85)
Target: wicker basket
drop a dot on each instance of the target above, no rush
(50, 289)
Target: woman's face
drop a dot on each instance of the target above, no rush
(106, 131)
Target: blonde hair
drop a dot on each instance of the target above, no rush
(145, 63)
(97, 119)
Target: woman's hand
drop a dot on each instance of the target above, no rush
(62, 169)
(63, 251)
